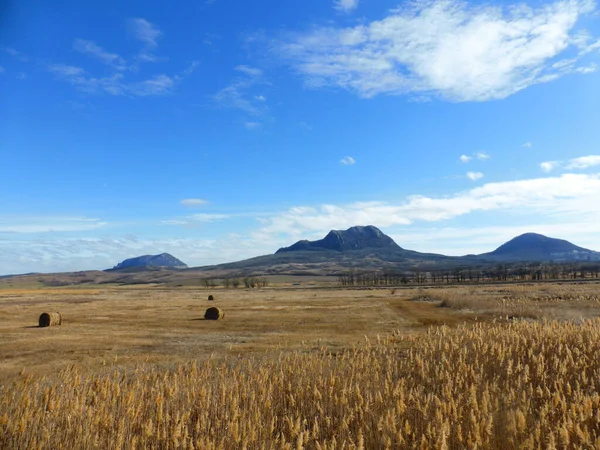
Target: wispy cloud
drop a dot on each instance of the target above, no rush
(91, 48)
(474, 175)
(238, 94)
(116, 84)
(583, 162)
(2, 69)
(347, 161)
(527, 145)
(81, 80)
(481, 156)
(145, 31)
(157, 85)
(122, 82)
(194, 202)
(48, 224)
(15, 54)
(195, 220)
(449, 49)
(345, 5)
(250, 125)
(570, 195)
(148, 34)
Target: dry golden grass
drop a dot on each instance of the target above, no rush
(508, 386)
(306, 369)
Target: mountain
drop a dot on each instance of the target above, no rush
(355, 238)
(537, 247)
(357, 248)
(151, 261)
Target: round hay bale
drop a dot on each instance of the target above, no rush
(214, 314)
(50, 319)
(211, 298)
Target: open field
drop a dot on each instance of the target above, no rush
(166, 325)
(496, 366)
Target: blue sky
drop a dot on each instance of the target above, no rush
(220, 130)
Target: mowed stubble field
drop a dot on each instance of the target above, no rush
(126, 326)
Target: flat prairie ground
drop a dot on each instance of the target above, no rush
(123, 327)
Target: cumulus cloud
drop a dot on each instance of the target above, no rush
(474, 175)
(527, 145)
(449, 49)
(345, 5)
(482, 156)
(348, 161)
(194, 202)
(465, 158)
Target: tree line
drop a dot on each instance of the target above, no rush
(235, 283)
(500, 272)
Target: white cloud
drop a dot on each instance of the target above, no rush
(583, 162)
(89, 47)
(549, 166)
(250, 71)
(345, 5)
(348, 161)
(527, 145)
(474, 175)
(237, 94)
(48, 224)
(572, 195)
(157, 85)
(195, 220)
(564, 206)
(20, 56)
(116, 83)
(447, 49)
(465, 158)
(85, 82)
(482, 156)
(145, 31)
(194, 202)
(250, 125)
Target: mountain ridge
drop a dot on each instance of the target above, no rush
(162, 260)
(537, 247)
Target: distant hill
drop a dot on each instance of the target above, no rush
(355, 238)
(151, 261)
(537, 247)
